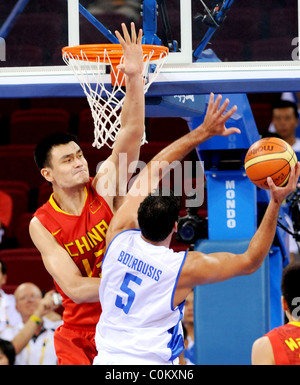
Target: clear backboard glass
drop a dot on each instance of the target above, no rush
(252, 30)
(34, 32)
(254, 34)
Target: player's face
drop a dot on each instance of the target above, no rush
(68, 168)
(285, 121)
(27, 299)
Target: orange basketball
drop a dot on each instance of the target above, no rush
(269, 157)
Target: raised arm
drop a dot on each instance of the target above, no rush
(214, 124)
(202, 269)
(132, 118)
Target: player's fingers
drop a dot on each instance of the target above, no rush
(140, 37)
(125, 33)
(133, 33)
(229, 113)
(270, 182)
(232, 130)
(217, 104)
(120, 38)
(210, 103)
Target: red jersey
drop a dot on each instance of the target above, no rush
(285, 341)
(83, 237)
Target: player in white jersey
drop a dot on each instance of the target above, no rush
(141, 268)
(144, 283)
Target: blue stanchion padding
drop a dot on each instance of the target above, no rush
(231, 203)
(229, 316)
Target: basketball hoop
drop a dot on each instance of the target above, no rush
(89, 62)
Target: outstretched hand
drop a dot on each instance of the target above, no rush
(215, 118)
(132, 50)
(278, 194)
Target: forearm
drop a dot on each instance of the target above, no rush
(183, 146)
(82, 290)
(263, 238)
(133, 110)
(28, 331)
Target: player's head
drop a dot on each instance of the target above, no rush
(158, 214)
(60, 159)
(42, 153)
(290, 288)
(285, 118)
(7, 353)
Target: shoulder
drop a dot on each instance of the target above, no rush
(262, 352)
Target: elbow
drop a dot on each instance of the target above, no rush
(252, 266)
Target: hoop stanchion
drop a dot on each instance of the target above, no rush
(88, 62)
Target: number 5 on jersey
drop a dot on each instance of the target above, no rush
(130, 293)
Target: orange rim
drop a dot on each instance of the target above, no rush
(98, 52)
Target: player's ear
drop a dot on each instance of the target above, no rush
(284, 304)
(47, 174)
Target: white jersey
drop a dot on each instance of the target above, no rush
(138, 324)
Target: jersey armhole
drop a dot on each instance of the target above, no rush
(175, 285)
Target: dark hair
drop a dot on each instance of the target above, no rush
(8, 350)
(290, 287)
(286, 104)
(3, 267)
(43, 149)
(157, 215)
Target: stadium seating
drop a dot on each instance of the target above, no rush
(22, 231)
(25, 265)
(19, 191)
(32, 125)
(19, 164)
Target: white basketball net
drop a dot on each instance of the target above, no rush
(106, 102)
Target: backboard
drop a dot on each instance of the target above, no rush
(253, 48)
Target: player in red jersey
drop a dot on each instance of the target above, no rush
(70, 229)
(281, 346)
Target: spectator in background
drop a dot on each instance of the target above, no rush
(285, 120)
(7, 353)
(188, 322)
(40, 349)
(281, 346)
(6, 207)
(182, 359)
(9, 316)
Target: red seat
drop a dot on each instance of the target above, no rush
(25, 265)
(86, 126)
(19, 165)
(31, 126)
(22, 231)
(19, 192)
(44, 192)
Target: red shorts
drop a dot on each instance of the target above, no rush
(74, 346)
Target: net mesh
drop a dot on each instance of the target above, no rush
(106, 100)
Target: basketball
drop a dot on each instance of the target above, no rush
(269, 157)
